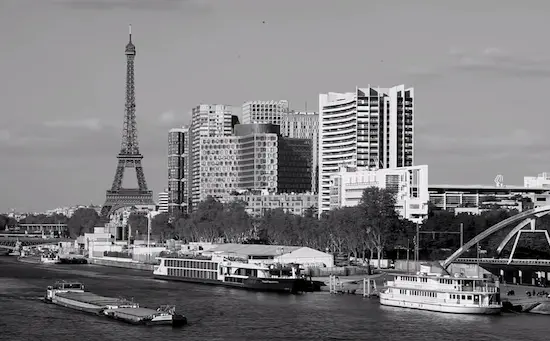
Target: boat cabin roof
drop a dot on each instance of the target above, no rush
(438, 277)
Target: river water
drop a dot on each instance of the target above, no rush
(218, 313)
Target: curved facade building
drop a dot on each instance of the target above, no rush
(369, 128)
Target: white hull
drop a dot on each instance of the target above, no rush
(438, 307)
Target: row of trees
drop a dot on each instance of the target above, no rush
(373, 228)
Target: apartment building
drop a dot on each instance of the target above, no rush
(371, 127)
(410, 185)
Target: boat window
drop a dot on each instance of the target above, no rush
(470, 297)
(463, 297)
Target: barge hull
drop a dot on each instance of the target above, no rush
(253, 284)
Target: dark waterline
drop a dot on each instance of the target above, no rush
(218, 313)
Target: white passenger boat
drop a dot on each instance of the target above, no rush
(441, 292)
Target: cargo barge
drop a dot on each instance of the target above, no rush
(72, 295)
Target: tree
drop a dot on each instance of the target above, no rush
(137, 223)
(379, 218)
(7, 222)
(161, 226)
(82, 221)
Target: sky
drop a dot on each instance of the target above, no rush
(480, 69)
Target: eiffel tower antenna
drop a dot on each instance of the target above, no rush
(129, 155)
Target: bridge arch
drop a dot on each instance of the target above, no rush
(524, 218)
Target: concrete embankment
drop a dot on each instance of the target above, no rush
(127, 264)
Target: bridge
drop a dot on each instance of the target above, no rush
(41, 228)
(11, 243)
(524, 222)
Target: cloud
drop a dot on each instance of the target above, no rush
(499, 144)
(93, 124)
(167, 117)
(106, 5)
(489, 59)
(11, 139)
(171, 118)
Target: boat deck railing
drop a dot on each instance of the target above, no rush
(458, 288)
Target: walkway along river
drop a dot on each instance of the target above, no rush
(219, 313)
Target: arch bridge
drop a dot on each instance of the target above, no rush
(525, 222)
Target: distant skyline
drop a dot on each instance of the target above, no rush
(479, 70)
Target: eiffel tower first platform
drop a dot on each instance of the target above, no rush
(129, 156)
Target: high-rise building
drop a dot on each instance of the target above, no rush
(300, 124)
(371, 127)
(255, 158)
(264, 112)
(178, 170)
(304, 125)
(163, 199)
(207, 121)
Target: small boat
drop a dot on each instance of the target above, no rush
(49, 258)
(441, 292)
(71, 294)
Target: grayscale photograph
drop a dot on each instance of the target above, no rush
(264, 170)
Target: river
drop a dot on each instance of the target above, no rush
(218, 313)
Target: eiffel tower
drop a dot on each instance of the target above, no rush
(129, 156)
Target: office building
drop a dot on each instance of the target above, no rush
(304, 125)
(476, 199)
(410, 185)
(178, 170)
(371, 127)
(207, 121)
(255, 157)
(540, 181)
(264, 112)
(258, 202)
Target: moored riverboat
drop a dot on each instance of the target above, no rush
(443, 293)
(234, 272)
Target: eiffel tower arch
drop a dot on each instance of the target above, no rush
(129, 155)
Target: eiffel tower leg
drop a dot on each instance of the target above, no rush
(142, 185)
(104, 215)
(119, 175)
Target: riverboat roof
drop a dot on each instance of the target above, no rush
(253, 249)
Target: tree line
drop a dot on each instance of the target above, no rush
(373, 229)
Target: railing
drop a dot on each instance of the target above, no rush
(503, 261)
(424, 286)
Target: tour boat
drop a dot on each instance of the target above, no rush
(233, 272)
(443, 293)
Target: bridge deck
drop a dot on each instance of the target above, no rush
(498, 261)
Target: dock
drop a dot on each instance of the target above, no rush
(357, 285)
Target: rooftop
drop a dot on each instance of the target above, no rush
(486, 188)
(254, 249)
